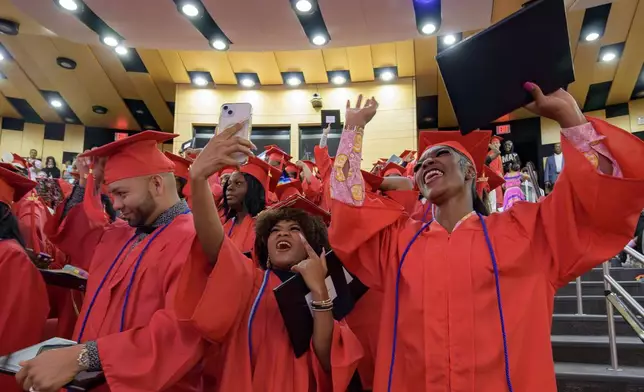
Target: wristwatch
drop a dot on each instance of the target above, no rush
(83, 358)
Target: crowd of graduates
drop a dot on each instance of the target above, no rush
(183, 254)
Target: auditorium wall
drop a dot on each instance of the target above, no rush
(392, 131)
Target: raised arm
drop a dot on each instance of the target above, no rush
(217, 154)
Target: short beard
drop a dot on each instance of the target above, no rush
(143, 211)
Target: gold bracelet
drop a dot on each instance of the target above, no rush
(325, 302)
(323, 309)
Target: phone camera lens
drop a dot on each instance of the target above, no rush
(225, 107)
(230, 112)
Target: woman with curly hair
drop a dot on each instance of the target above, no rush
(229, 299)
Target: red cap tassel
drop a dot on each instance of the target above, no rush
(92, 200)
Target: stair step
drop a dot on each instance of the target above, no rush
(588, 324)
(595, 350)
(592, 304)
(597, 288)
(575, 377)
(619, 274)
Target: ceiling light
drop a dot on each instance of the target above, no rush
(121, 50)
(110, 41)
(247, 82)
(149, 127)
(99, 109)
(219, 44)
(56, 103)
(200, 81)
(338, 79)
(609, 56)
(190, 10)
(293, 81)
(319, 40)
(66, 63)
(387, 76)
(449, 39)
(1, 57)
(303, 5)
(69, 120)
(139, 111)
(69, 5)
(428, 28)
(592, 36)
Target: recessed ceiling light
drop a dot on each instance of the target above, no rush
(319, 40)
(303, 5)
(338, 79)
(1, 57)
(121, 50)
(609, 56)
(219, 44)
(139, 111)
(428, 28)
(190, 10)
(9, 27)
(66, 63)
(449, 39)
(247, 82)
(99, 109)
(387, 76)
(69, 5)
(592, 36)
(56, 103)
(293, 81)
(69, 119)
(148, 127)
(200, 81)
(110, 41)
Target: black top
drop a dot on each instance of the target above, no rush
(52, 172)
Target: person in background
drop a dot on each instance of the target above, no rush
(67, 170)
(528, 188)
(230, 300)
(494, 161)
(33, 156)
(324, 162)
(25, 305)
(554, 166)
(513, 192)
(509, 156)
(51, 169)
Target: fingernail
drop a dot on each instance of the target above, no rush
(528, 86)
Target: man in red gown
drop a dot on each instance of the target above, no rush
(468, 299)
(127, 327)
(495, 163)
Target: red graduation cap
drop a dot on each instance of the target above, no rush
(299, 201)
(496, 138)
(13, 186)
(488, 180)
(291, 168)
(393, 168)
(266, 174)
(20, 161)
(181, 165)
(134, 156)
(372, 180)
(474, 145)
(406, 153)
(227, 170)
(311, 165)
(276, 154)
(288, 189)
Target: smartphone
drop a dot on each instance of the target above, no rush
(232, 113)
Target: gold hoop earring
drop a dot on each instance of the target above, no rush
(268, 262)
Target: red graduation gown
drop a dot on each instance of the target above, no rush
(313, 191)
(24, 304)
(325, 166)
(155, 351)
(449, 335)
(219, 305)
(242, 234)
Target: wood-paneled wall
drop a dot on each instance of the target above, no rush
(33, 137)
(392, 130)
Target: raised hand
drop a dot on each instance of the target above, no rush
(219, 152)
(359, 116)
(327, 129)
(559, 106)
(313, 269)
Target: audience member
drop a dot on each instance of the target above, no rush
(51, 169)
(509, 156)
(554, 166)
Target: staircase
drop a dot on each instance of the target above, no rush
(580, 342)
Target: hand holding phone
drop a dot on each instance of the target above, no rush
(233, 113)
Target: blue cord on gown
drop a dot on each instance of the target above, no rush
(498, 300)
(253, 310)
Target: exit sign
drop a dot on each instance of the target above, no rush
(120, 135)
(503, 129)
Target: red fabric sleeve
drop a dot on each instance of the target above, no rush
(346, 351)
(156, 356)
(365, 238)
(25, 305)
(312, 191)
(201, 289)
(322, 161)
(589, 216)
(407, 199)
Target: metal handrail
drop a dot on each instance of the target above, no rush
(634, 253)
(612, 336)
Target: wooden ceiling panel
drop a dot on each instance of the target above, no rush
(335, 59)
(261, 63)
(214, 62)
(32, 69)
(619, 21)
(446, 115)
(405, 58)
(93, 79)
(115, 71)
(360, 63)
(149, 93)
(6, 109)
(584, 64)
(44, 53)
(383, 55)
(425, 50)
(309, 62)
(503, 8)
(28, 25)
(630, 62)
(159, 72)
(175, 66)
(575, 20)
(7, 88)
